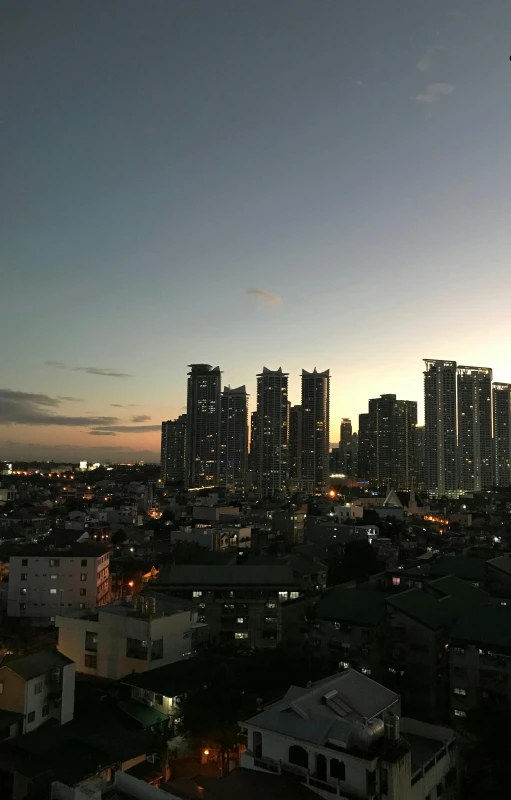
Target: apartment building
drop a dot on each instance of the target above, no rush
(240, 603)
(46, 581)
(38, 687)
(343, 737)
(136, 635)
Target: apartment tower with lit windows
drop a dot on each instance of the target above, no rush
(202, 468)
(270, 439)
(502, 434)
(315, 431)
(440, 428)
(474, 428)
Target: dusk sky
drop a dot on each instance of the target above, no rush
(246, 183)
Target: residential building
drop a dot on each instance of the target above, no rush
(240, 603)
(253, 458)
(315, 431)
(420, 455)
(46, 581)
(122, 787)
(364, 448)
(441, 460)
(347, 447)
(173, 438)
(502, 434)
(202, 464)
(392, 441)
(344, 737)
(7, 495)
(135, 635)
(38, 687)
(295, 445)
(234, 438)
(291, 524)
(271, 437)
(474, 428)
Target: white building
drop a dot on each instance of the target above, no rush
(38, 687)
(348, 512)
(46, 581)
(131, 636)
(343, 737)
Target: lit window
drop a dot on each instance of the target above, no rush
(460, 690)
(294, 595)
(240, 620)
(271, 605)
(23, 591)
(54, 562)
(396, 581)
(83, 576)
(197, 594)
(54, 577)
(366, 671)
(344, 664)
(458, 712)
(53, 591)
(240, 635)
(283, 595)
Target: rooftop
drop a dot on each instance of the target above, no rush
(470, 569)
(353, 606)
(172, 680)
(227, 575)
(35, 664)
(68, 551)
(489, 626)
(245, 783)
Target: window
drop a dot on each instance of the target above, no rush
(294, 595)
(156, 649)
(135, 648)
(344, 664)
(460, 690)
(396, 581)
(366, 671)
(23, 591)
(53, 577)
(1, 687)
(299, 756)
(337, 769)
(31, 717)
(83, 562)
(45, 711)
(24, 576)
(271, 605)
(239, 635)
(336, 626)
(24, 562)
(83, 576)
(90, 660)
(158, 699)
(83, 592)
(23, 606)
(459, 650)
(458, 712)
(81, 606)
(197, 594)
(53, 591)
(54, 562)
(282, 595)
(38, 688)
(240, 620)
(91, 641)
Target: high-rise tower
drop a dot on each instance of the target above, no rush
(502, 434)
(392, 425)
(271, 437)
(364, 448)
(315, 430)
(440, 429)
(474, 428)
(173, 435)
(203, 426)
(295, 445)
(234, 438)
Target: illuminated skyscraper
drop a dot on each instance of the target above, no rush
(271, 436)
(474, 428)
(173, 435)
(392, 425)
(315, 431)
(234, 438)
(295, 444)
(364, 448)
(440, 429)
(502, 434)
(203, 427)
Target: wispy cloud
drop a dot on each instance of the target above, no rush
(112, 430)
(434, 92)
(70, 399)
(120, 405)
(426, 61)
(27, 451)
(140, 418)
(28, 408)
(103, 371)
(265, 298)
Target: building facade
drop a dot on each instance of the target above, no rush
(364, 448)
(173, 438)
(315, 431)
(392, 425)
(202, 465)
(502, 434)
(295, 445)
(440, 430)
(45, 582)
(234, 438)
(474, 428)
(272, 432)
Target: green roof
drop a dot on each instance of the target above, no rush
(422, 607)
(354, 606)
(146, 715)
(470, 569)
(460, 592)
(489, 626)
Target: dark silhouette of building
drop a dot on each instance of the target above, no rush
(203, 427)
(315, 430)
(173, 437)
(234, 438)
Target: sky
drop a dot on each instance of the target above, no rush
(244, 183)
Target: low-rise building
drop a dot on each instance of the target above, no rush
(39, 687)
(291, 524)
(123, 787)
(135, 635)
(343, 737)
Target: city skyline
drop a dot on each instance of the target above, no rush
(296, 164)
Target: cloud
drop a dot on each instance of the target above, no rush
(106, 429)
(120, 405)
(426, 61)
(102, 433)
(70, 399)
(28, 408)
(103, 371)
(434, 91)
(268, 299)
(31, 451)
(140, 418)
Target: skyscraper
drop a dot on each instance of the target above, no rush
(440, 466)
(474, 428)
(502, 434)
(295, 445)
(234, 438)
(364, 448)
(253, 459)
(172, 464)
(203, 426)
(392, 425)
(346, 447)
(315, 430)
(419, 456)
(271, 437)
